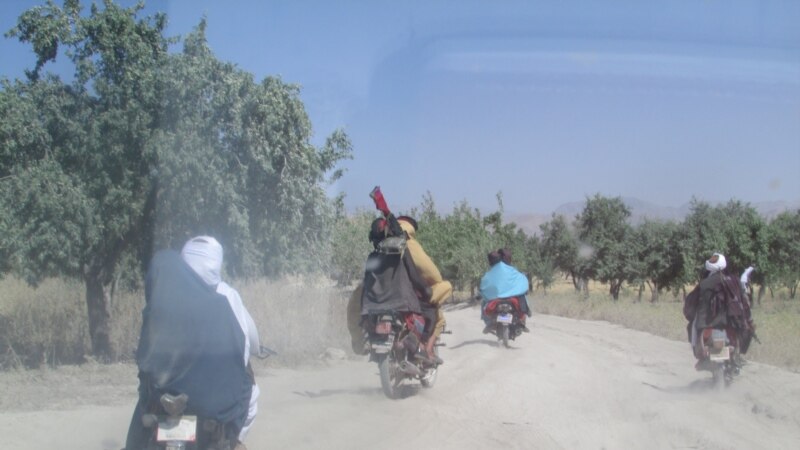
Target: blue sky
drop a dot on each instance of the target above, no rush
(546, 102)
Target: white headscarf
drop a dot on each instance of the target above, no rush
(716, 266)
(204, 256)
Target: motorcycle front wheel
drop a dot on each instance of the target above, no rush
(390, 378)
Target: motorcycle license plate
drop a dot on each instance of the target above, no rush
(383, 327)
(505, 318)
(381, 347)
(723, 355)
(178, 429)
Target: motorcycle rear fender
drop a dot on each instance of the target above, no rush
(504, 308)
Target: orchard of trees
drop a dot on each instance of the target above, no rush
(154, 140)
(601, 244)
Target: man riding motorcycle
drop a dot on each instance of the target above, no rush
(192, 342)
(204, 255)
(391, 282)
(717, 303)
(503, 281)
(440, 289)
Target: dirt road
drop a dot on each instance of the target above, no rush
(568, 384)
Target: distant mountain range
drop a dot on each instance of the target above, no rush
(640, 210)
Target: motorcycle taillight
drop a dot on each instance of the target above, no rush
(383, 327)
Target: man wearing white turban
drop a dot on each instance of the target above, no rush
(717, 302)
(204, 255)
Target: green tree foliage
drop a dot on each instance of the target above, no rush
(540, 267)
(782, 263)
(603, 225)
(350, 247)
(145, 148)
(457, 243)
(734, 229)
(657, 259)
(559, 246)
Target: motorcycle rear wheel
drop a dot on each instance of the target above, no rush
(718, 375)
(390, 379)
(505, 335)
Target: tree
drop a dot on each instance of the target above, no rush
(783, 246)
(145, 148)
(86, 145)
(350, 247)
(539, 265)
(560, 246)
(734, 229)
(657, 257)
(457, 243)
(603, 225)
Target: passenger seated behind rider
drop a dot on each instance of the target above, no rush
(204, 254)
(716, 302)
(441, 289)
(391, 281)
(193, 341)
(503, 281)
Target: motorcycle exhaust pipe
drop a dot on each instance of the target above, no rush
(410, 369)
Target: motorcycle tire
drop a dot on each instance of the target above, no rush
(505, 336)
(430, 374)
(718, 375)
(390, 381)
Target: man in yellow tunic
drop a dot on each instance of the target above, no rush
(441, 289)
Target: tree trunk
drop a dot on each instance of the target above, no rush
(793, 291)
(641, 290)
(654, 290)
(614, 287)
(761, 290)
(98, 301)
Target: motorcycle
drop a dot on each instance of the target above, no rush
(394, 343)
(718, 352)
(505, 319)
(172, 429)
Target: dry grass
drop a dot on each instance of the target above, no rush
(47, 326)
(43, 326)
(301, 318)
(298, 318)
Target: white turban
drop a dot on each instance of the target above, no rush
(717, 266)
(204, 256)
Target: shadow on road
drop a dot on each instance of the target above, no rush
(331, 392)
(697, 386)
(489, 342)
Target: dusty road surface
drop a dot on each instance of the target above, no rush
(568, 384)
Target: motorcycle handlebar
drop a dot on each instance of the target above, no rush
(265, 352)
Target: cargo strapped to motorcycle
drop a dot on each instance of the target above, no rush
(393, 245)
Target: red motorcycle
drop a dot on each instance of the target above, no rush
(394, 342)
(507, 318)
